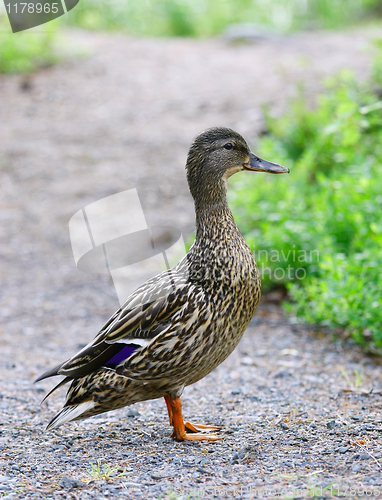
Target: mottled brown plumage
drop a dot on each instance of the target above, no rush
(180, 325)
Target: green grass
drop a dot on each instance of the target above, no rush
(25, 51)
(100, 471)
(210, 17)
(318, 230)
(358, 376)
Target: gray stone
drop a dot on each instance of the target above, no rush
(250, 33)
(132, 413)
(283, 374)
(237, 456)
(68, 483)
(157, 475)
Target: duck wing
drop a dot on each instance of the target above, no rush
(147, 314)
(180, 346)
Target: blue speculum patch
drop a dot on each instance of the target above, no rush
(123, 354)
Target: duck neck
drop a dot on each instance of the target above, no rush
(211, 219)
(207, 187)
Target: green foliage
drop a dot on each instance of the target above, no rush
(104, 471)
(324, 219)
(210, 17)
(377, 67)
(25, 51)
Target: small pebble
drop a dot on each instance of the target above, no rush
(69, 483)
(132, 413)
(283, 374)
(343, 449)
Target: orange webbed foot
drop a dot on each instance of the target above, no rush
(184, 436)
(200, 427)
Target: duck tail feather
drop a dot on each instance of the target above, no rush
(50, 373)
(63, 382)
(69, 413)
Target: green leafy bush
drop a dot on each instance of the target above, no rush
(25, 51)
(210, 17)
(318, 230)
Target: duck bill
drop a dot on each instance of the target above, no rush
(257, 164)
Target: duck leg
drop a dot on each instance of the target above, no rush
(169, 409)
(174, 408)
(188, 425)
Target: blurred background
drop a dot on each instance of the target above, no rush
(109, 96)
(210, 17)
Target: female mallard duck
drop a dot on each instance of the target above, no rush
(180, 325)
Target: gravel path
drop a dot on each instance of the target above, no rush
(300, 414)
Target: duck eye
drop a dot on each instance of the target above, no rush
(228, 146)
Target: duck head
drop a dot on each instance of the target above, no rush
(215, 155)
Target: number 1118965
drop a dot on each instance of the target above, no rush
(31, 8)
